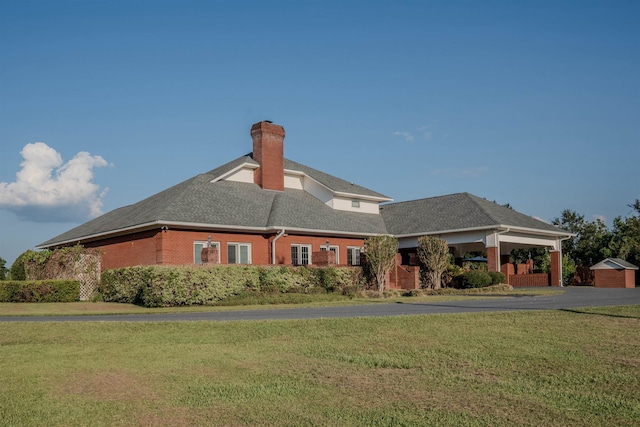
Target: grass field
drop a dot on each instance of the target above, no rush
(552, 368)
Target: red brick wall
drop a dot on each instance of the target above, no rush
(404, 276)
(176, 247)
(134, 249)
(614, 279)
(536, 279)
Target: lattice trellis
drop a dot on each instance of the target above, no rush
(87, 272)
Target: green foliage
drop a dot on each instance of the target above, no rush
(592, 240)
(568, 270)
(3, 269)
(625, 242)
(451, 274)
(434, 256)
(540, 256)
(18, 269)
(476, 279)
(161, 286)
(496, 277)
(39, 291)
(380, 253)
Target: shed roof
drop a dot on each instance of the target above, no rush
(614, 264)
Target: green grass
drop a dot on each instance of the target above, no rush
(242, 303)
(552, 368)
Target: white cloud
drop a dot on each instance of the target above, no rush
(406, 135)
(541, 219)
(48, 190)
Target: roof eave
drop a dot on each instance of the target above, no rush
(495, 228)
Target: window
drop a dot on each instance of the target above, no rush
(355, 203)
(197, 251)
(239, 253)
(333, 249)
(300, 254)
(353, 256)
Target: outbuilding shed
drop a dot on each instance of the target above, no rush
(614, 273)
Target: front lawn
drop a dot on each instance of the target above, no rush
(552, 368)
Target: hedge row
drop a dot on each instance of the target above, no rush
(39, 291)
(164, 286)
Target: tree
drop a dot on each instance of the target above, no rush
(3, 269)
(625, 240)
(592, 240)
(434, 255)
(380, 252)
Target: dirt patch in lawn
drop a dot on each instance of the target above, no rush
(110, 386)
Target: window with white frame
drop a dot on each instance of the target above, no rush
(353, 255)
(239, 253)
(300, 254)
(197, 250)
(334, 249)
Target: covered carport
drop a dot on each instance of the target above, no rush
(471, 224)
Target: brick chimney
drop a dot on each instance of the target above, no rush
(268, 151)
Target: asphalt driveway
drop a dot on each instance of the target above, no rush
(573, 297)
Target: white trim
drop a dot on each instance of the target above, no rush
(339, 193)
(238, 245)
(204, 244)
(245, 165)
(358, 248)
(299, 247)
(334, 248)
(493, 229)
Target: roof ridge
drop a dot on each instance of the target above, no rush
(477, 201)
(422, 199)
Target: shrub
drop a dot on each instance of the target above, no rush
(476, 279)
(156, 286)
(18, 269)
(39, 291)
(124, 285)
(496, 277)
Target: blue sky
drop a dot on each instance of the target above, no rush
(104, 103)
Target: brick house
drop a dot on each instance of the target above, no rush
(263, 208)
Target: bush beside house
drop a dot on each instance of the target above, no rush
(163, 286)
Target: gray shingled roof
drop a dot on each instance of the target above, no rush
(199, 201)
(454, 212)
(234, 204)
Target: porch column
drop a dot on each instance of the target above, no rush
(493, 258)
(556, 268)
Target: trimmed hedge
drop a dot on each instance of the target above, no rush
(165, 286)
(39, 291)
